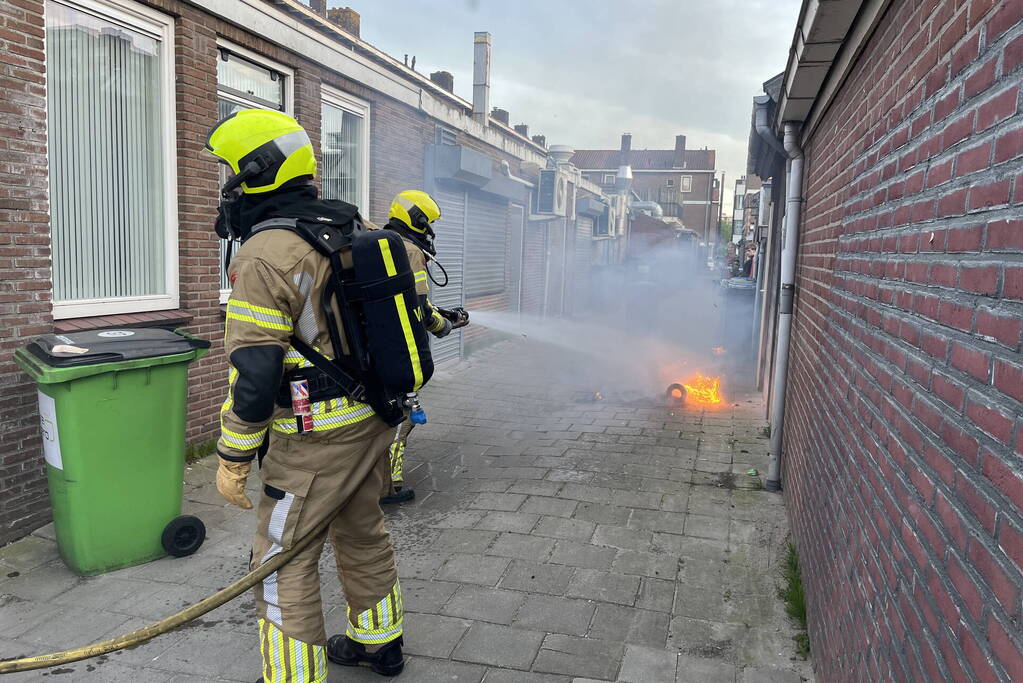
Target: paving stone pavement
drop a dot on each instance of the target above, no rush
(554, 538)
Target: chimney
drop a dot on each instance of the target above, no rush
(501, 115)
(680, 152)
(522, 129)
(540, 140)
(444, 79)
(626, 148)
(319, 6)
(346, 18)
(481, 77)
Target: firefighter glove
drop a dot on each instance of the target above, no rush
(231, 478)
(444, 330)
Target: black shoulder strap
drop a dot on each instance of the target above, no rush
(352, 387)
(274, 223)
(326, 238)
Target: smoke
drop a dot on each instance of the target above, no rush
(640, 326)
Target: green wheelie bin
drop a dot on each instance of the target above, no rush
(112, 413)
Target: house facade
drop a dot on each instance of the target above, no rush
(682, 181)
(107, 199)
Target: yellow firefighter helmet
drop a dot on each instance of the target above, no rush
(264, 149)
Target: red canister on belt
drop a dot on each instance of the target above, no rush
(300, 405)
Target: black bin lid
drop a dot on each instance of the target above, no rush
(107, 346)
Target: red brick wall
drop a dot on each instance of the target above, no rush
(903, 431)
(25, 287)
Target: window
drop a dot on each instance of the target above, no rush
(670, 182)
(601, 226)
(686, 183)
(345, 149)
(113, 194)
(247, 81)
(609, 179)
(739, 202)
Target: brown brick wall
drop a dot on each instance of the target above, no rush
(903, 430)
(25, 280)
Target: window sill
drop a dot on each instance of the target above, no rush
(173, 318)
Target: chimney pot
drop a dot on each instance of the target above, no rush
(522, 129)
(481, 77)
(540, 140)
(626, 150)
(318, 6)
(444, 79)
(346, 18)
(501, 115)
(680, 152)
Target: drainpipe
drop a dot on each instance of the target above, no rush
(790, 238)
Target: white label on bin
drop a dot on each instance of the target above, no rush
(48, 423)
(116, 333)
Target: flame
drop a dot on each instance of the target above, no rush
(597, 396)
(703, 390)
(719, 350)
(676, 393)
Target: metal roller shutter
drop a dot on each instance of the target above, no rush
(450, 244)
(486, 246)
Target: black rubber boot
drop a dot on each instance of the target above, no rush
(400, 495)
(387, 661)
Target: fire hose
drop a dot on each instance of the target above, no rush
(200, 608)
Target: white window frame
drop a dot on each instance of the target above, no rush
(343, 100)
(289, 98)
(609, 182)
(669, 182)
(686, 184)
(159, 26)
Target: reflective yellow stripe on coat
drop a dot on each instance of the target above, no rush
(262, 316)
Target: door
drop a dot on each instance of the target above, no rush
(582, 251)
(450, 242)
(555, 268)
(516, 237)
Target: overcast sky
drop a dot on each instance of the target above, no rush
(582, 72)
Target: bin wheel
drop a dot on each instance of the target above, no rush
(183, 535)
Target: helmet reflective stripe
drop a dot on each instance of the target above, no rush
(292, 142)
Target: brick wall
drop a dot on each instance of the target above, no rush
(25, 287)
(903, 429)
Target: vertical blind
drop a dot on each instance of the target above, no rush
(107, 190)
(342, 175)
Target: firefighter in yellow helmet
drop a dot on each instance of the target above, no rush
(412, 215)
(317, 451)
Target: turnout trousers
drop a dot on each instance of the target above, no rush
(306, 477)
